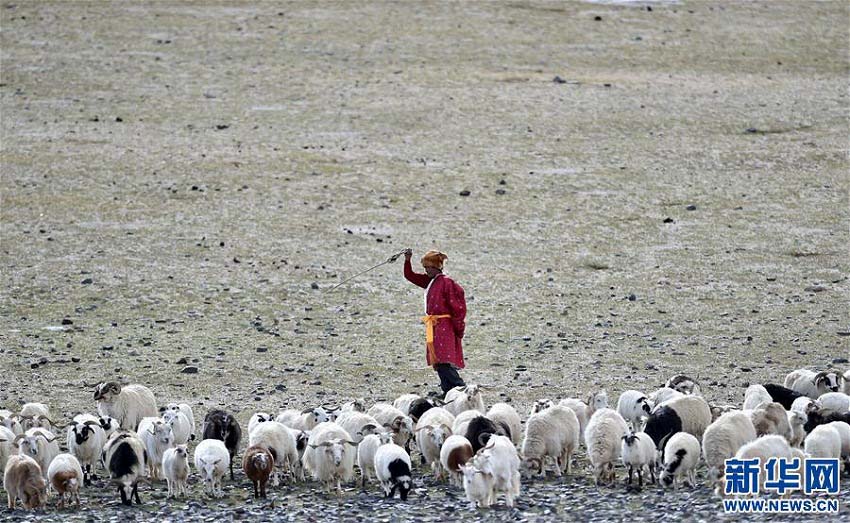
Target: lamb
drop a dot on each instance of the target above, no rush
(85, 441)
(755, 396)
(764, 448)
(358, 425)
(329, 457)
(633, 406)
(11, 421)
(461, 422)
(551, 433)
(680, 458)
(683, 384)
(157, 437)
(40, 445)
(258, 464)
(481, 429)
(109, 426)
(186, 410)
(303, 420)
(128, 404)
(638, 453)
(181, 427)
(399, 422)
(65, 476)
(834, 402)
(805, 404)
(506, 416)
(222, 426)
(366, 453)
(464, 398)
(813, 385)
(22, 479)
(722, 440)
(430, 439)
(499, 459)
(687, 413)
(771, 419)
(175, 468)
(7, 447)
(212, 459)
(35, 415)
(280, 442)
(125, 458)
(454, 454)
(477, 485)
(257, 418)
(544, 404)
(602, 437)
(663, 395)
(796, 422)
(782, 395)
(392, 467)
(823, 442)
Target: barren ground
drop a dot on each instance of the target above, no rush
(188, 181)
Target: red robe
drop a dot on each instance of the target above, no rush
(444, 296)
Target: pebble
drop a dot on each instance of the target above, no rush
(464, 193)
(87, 281)
(191, 369)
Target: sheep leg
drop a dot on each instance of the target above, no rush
(10, 498)
(630, 474)
(640, 476)
(170, 487)
(231, 468)
(135, 492)
(256, 483)
(123, 494)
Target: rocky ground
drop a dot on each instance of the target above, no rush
(626, 190)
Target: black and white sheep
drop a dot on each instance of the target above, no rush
(481, 429)
(688, 413)
(85, 441)
(222, 426)
(125, 458)
(814, 384)
(639, 454)
(680, 458)
(392, 467)
(683, 384)
(634, 406)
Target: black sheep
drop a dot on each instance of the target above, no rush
(782, 395)
(661, 424)
(480, 429)
(220, 425)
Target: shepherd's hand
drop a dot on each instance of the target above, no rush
(408, 253)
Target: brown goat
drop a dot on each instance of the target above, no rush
(258, 464)
(22, 479)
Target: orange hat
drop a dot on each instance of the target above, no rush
(434, 259)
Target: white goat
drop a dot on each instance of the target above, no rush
(128, 404)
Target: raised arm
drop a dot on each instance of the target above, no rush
(415, 278)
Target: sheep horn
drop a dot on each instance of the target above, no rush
(18, 438)
(152, 433)
(21, 416)
(306, 411)
(351, 443)
(484, 443)
(448, 429)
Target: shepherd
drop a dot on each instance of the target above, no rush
(445, 317)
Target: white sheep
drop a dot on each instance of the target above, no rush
(834, 402)
(454, 454)
(65, 476)
(329, 456)
(478, 485)
(663, 395)
(756, 395)
(212, 460)
(366, 450)
(85, 441)
(500, 460)
(355, 405)
(814, 384)
(400, 423)
(7, 445)
(34, 415)
(824, 441)
(764, 448)
(603, 435)
(430, 439)
(280, 441)
(184, 409)
(581, 411)
(844, 431)
(109, 425)
(181, 427)
(805, 404)
(463, 398)
(440, 416)
(770, 418)
(541, 404)
(128, 404)
(393, 469)
(461, 421)
(257, 418)
(633, 406)
(638, 453)
(507, 416)
(796, 422)
(681, 456)
(551, 433)
(358, 424)
(11, 421)
(722, 440)
(306, 419)
(847, 382)
(175, 468)
(403, 402)
(39, 444)
(157, 437)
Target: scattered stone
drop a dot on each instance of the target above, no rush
(597, 18)
(501, 192)
(559, 80)
(262, 349)
(815, 288)
(464, 193)
(837, 361)
(75, 359)
(691, 207)
(87, 281)
(314, 286)
(632, 297)
(182, 361)
(66, 321)
(221, 127)
(669, 220)
(191, 369)
(33, 365)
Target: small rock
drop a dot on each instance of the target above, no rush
(836, 361)
(33, 365)
(67, 321)
(314, 286)
(119, 119)
(691, 207)
(262, 349)
(669, 220)
(191, 369)
(75, 359)
(500, 192)
(632, 297)
(464, 193)
(221, 127)
(559, 80)
(597, 18)
(815, 288)
(87, 281)
(182, 361)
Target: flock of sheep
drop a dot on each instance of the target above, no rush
(481, 450)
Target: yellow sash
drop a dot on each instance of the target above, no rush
(430, 321)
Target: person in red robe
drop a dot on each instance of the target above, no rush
(445, 317)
